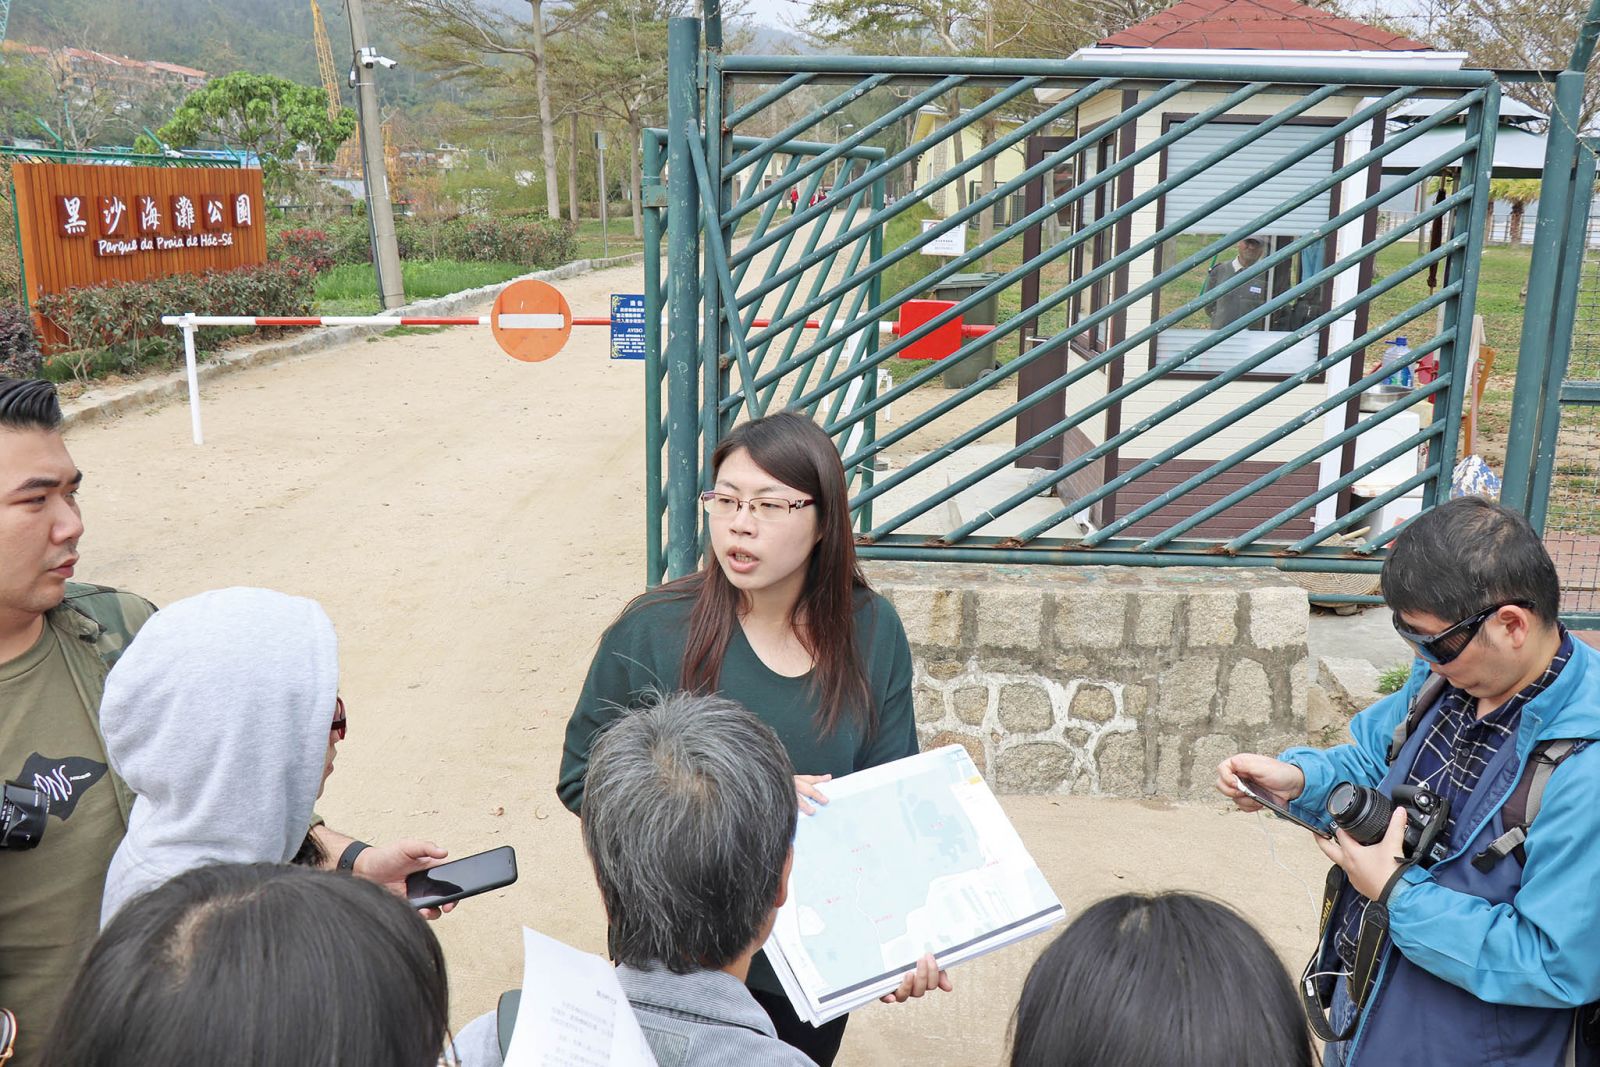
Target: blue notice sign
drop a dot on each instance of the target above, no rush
(627, 325)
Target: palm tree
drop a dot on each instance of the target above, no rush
(1520, 192)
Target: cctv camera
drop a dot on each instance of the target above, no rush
(370, 58)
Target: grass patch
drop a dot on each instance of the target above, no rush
(616, 239)
(352, 289)
(1393, 679)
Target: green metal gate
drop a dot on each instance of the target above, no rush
(1159, 399)
(1553, 448)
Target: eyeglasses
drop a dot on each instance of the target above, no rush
(339, 727)
(1441, 648)
(764, 508)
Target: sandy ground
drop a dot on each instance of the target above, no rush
(471, 524)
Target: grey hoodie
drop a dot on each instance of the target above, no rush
(217, 718)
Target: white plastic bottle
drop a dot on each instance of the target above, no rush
(1398, 353)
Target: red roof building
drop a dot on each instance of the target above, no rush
(1278, 25)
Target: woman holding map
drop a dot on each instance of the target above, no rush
(780, 619)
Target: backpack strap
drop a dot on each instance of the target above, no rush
(1426, 697)
(1522, 806)
(505, 1018)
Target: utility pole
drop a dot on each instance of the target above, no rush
(605, 220)
(375, 176)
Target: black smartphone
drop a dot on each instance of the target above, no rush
(462, 878)
(1271, 802)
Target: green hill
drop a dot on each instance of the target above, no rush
(218, 36)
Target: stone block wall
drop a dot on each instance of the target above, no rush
(1109, 680)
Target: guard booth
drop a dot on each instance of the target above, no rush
(1260, 348)
(1128, 420)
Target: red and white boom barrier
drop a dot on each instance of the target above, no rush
(531, 321)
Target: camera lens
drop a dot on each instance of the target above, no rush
(1360, 812)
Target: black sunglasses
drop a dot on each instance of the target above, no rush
(339, 727)
(1441, 648)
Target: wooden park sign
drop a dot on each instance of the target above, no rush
(87, 224)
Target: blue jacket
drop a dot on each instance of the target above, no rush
(1483, 968)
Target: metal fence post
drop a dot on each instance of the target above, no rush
(683, 306)
(1525, 466)
(1563, 320)
(655, 558)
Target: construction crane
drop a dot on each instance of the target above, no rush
(5, 17)
(348, 161)
(330, 78)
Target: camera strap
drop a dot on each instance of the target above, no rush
(1370, 943)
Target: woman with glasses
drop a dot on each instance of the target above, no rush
(780, 619)
(223, 720)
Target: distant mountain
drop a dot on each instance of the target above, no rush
(217, 36)
(769, 40)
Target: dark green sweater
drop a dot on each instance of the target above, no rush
(643, 650)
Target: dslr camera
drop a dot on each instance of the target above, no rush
(22, 816)
(1364, 814)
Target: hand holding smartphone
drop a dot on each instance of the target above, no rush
(1271, 802)
(458, 879)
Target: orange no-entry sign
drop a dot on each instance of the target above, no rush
(531, 320)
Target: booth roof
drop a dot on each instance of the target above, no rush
(1278, 25)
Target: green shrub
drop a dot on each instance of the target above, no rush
(313, 247)
(351, 240)
(19, 346)
(535, 243)
(118, 326)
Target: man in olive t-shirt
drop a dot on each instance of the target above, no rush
(50, 895)
(57, 643)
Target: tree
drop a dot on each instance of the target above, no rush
(466, 39)
(616, 68)
(1500, 34)
(25, 92)
(260, 114)
(1520, 192)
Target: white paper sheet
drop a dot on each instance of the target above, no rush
(573, 1012)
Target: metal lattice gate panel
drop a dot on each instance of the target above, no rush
(1165, 300)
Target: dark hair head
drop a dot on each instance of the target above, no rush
(796, 452)
(29, 404)
(1465, 555)
(688, 814)
(1157, 979)
(258, 964)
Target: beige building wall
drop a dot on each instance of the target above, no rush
(1139, 315)
(941, 158)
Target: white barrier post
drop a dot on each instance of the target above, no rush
(194, 377)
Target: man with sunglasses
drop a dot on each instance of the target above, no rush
(1492, 952)
(58, 642)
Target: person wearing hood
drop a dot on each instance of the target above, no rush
(222, 718)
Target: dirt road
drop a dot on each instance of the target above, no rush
(471, 524)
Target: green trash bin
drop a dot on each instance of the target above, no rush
(963, 372)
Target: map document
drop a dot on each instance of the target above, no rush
(912, 857)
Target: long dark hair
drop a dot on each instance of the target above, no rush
(257, 963)
(1172, 978)
(796, 452)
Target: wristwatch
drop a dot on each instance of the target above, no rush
(347, 858)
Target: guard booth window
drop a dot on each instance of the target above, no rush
(1229, 304)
